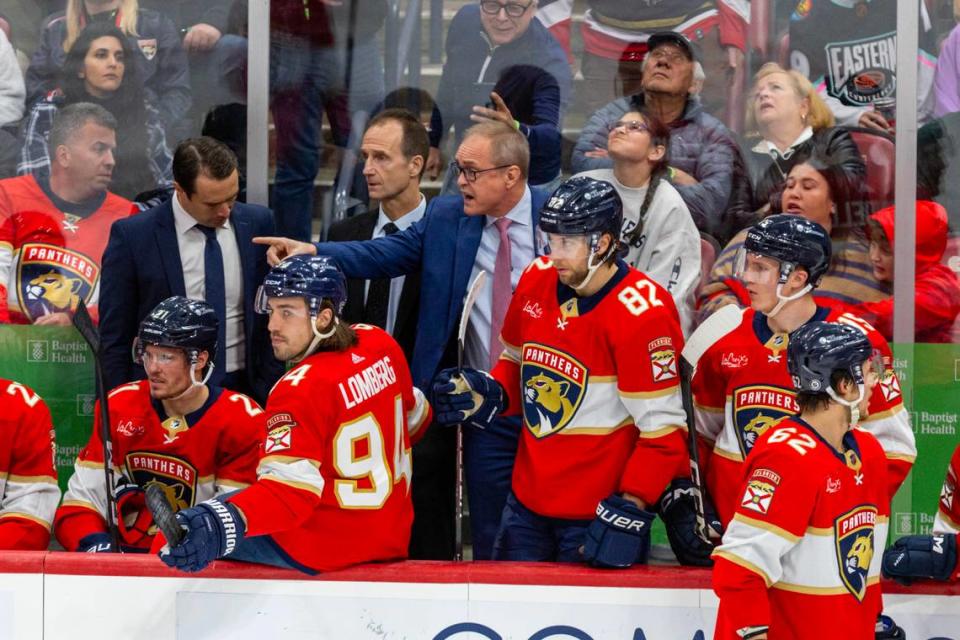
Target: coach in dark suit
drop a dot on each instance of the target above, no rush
(198, 245)
(457, 237)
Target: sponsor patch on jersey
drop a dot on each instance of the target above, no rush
(756, 408)
(889, 385)
(148, 47)
(734, 360)
(51, 279)
(862, 71)
(663, 359)
(533, 309)
(554, 384)
(761, 486)
(853, 532)
(127, 428)
(176, 476)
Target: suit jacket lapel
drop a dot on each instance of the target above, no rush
(241, 231)
(469, 232)
(166, 234)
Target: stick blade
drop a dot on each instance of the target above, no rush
(163, 514)
(472, 293)
(722, 322)
(84, 324)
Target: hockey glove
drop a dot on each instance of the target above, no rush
(213, 530)
(619, 536)
(133, 522)
(474, 397)
(96, 543)
(921, 557)
(678, 511)
(887, 629)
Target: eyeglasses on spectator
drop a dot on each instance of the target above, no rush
(513, 9)
(630, 125)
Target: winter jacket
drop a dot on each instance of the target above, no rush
(699, 145)
(937, 289)
(162, 63)
(473, 68)
(186, 13)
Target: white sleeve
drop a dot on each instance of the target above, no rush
(12, 90)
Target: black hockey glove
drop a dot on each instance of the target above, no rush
(887, 629)
(678, 511)
(213, 530)
(619, 536)
(473, 397)
(96, 543)
(913, 557)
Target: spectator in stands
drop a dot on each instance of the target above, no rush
(785, 118)
(702, 150)
(658, 231)
(161, 61)
(946, 77)
(309, 60)
(97, 70)
(394, 149)
(69, 210)
(819, 189)
(457, 237)
(937, 289)
(198, 245)
(503, 65)
(11, 105)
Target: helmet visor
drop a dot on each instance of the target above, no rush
(755, 268)
(565, 246)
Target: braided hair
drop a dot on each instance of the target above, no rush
(659, 136)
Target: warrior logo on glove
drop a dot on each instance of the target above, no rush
(554, 384)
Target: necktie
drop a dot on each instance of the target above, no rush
(215, 293)
(501, 290)
(378, 294)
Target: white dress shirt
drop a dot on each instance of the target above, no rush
(522, 252)
(396, 284)
(191, 243)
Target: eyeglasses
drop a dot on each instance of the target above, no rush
(630, 125)
(513, 9)
(472, 174)
(673, 57)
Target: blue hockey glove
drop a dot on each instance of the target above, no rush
(921, 557)
(678, 512)
(619, 536)
(214, 529)
(473, 397)
(99, 542)
(887, 629)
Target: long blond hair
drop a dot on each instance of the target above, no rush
(128, 20)
(819, 116)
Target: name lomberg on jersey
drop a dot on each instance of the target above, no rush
(863, 70)
(368, 383)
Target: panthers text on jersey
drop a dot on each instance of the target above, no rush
(333, 485)
(28, 480)
(742, 386)
(803, 549)
(597, 382)
(50, 249)
(192, 458)
(947, 519)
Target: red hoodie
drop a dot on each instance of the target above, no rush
(937, 288)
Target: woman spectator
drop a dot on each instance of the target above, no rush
(97, 70)
(820, 188)
(784, 120)
(160, 58)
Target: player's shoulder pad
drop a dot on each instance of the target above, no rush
(128, 387)
(785, 440)
(19, 395)
(540, 263)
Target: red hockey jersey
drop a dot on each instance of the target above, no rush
(947, 519)
(742, 386)
(802, 553)
(333, 484)
(28, 480)
(193, 458)
(50, 257)
(596, 380)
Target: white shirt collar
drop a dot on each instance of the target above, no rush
(765, 146)
(403, 221)
(522, 212)
(183, 221)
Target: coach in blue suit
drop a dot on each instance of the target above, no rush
(456, 238)
(163, 252)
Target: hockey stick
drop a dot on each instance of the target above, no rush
(713, 328)
(468, 303)
(84, 324)
(163, 515)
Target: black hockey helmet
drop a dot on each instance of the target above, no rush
(180, 323)
(313, 278)
(793, 240)
(583, 206)
(818, 349)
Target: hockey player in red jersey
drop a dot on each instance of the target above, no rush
(28, 480)
(797, 560)
(53, 229)
(333, 485)
(191, 439)
(742, 386)
(590, 361)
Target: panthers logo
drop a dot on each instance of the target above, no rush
(756, 408)
(176, 476)
(854, 538)
(52, 279)
(554, 384)
(756, 427)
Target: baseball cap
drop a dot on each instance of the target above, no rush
(672, 37)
